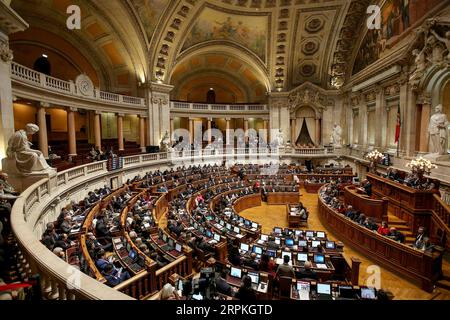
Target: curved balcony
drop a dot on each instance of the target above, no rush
(30, 84)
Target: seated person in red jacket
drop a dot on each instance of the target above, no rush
(383, 229)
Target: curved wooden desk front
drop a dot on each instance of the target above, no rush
(420, 267)
(374, 208)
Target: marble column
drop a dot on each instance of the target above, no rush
(97, 129)
(227, 131)
(142, 133)
(408, 111)
(172, 128)
(381, 119)
(245, 125)
(424, 121)
(191, 130)
(120, 131)
(362, 121)
(209, 130)
(266, 130)
(42, 133)
(71, 131)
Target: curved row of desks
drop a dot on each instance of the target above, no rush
(422, 268)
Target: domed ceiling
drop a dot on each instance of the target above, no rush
(284, 42)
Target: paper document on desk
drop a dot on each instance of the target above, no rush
(321, 266)
(239, 236)
(303, 295)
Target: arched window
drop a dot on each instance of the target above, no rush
(42, 65)
(211, 96)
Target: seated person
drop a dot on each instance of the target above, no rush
(203, 245)
(396, 235)
(251, 261)
(266, 264)
(383, 229)
(307, 272)
(115, 276)
(102, 261)
(168, 292)
(285, 270)
(233, 255)
(66, 225)
(420, 237)
(246, 292)
(222, 285)
(369, 224)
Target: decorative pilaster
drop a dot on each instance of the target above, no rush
(279, 114)
(158, 111)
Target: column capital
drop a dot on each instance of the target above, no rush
(72, 109)
(142, 116)
(96, 112)
(120, 115)
(209, 119)
(44, 104)
(227, 119)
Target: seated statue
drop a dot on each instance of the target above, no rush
(20, 157)
(165, 142)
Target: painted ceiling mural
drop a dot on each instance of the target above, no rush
(397, 16)
(248, 31)
(149, 12)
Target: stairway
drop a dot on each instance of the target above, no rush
(401, 226)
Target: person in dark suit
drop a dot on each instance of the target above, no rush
(222, 285)
(251, 261)
(234, 255)
(419, 241)
(307, 272)
(367, 187)
(101, 229)
(396, 235)
(114, 276)
(246, 292)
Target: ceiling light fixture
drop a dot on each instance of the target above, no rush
(44, 55)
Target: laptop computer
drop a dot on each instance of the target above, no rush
(324, 291)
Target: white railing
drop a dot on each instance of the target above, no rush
(66, 89)
(40, 80)
(178, 105)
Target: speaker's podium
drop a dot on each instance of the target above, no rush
(152, 149)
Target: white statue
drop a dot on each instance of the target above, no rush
(438, 129)
(20, 157)
(165, 143)
(336, 136)
(280, 138)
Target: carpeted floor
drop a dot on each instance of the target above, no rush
(271, 216)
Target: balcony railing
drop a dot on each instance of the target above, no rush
(178, 105)
(40, 80)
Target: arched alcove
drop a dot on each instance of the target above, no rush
(306, 125)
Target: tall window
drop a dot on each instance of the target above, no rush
(211, 96)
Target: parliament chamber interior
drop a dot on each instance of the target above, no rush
(225, 150)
